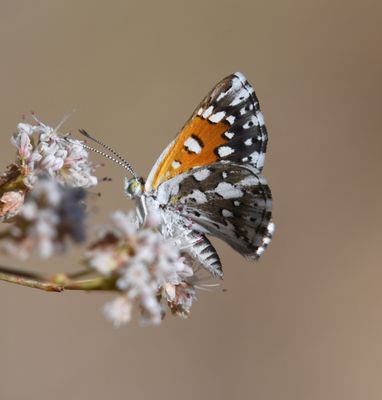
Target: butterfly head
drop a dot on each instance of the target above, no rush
(134, 187)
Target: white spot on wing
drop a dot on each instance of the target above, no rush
(201, 175)
(227, 213)
(260, 117)
(240, 96)
(224, 151)
(222, 95)
(230, 119)
(262, 180)
(217, 117)
(258, 159)
(260, 250)
(228, 191)
(199, 196)
(192, 145)
(248, 142)
(208, 112)
(254, 156)
(253, 121)
(249, 181)
(229, 135)
(175, 164)
(240, 76)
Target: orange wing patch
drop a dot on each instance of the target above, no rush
(227, 125)
(194, 147)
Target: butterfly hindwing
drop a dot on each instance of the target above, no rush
(227, 125)
(231, 202)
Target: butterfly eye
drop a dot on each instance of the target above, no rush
(133, 187)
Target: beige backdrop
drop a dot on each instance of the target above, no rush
(305, 323)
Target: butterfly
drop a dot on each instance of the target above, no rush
(210, 175)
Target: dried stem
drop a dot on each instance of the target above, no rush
(32, 283)
(58, 282)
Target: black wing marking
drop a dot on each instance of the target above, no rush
(234, 102)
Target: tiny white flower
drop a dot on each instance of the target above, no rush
(26, 128)
(170, 291)
(29, 211)
(118, 311)
(124, 223)
(22, 142)
(103, 262)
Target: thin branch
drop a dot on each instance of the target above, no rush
(58, 282)
(32, 283)
(98, 283)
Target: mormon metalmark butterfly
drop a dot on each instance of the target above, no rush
(209, 176)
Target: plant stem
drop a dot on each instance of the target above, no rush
(32, 283)
(58, 282)
(98, 283)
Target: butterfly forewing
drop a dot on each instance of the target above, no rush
(227, 125)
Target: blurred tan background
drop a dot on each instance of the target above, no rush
(304, 323)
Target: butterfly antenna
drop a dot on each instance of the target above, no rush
(103, 154)
(122, 160)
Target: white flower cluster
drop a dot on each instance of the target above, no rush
(41, 149)
(51, 214)
(153, 268)
(149, 270)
